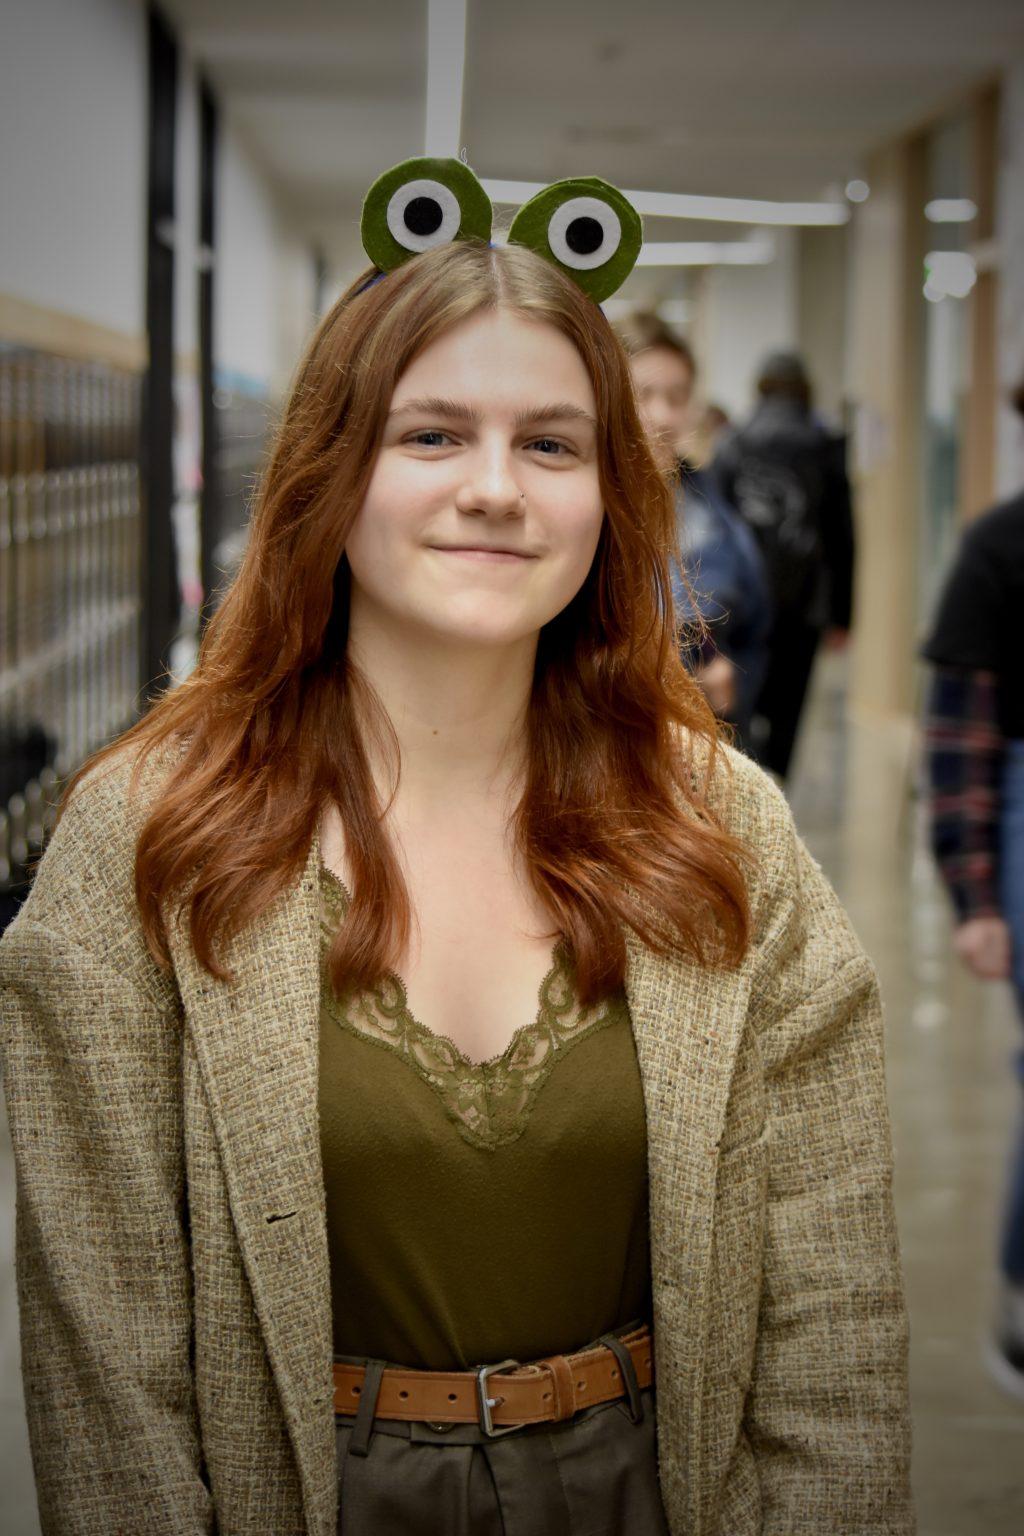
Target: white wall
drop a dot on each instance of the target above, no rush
(73, 121)
(822, 287)
(742, 314)
(244, 329)
(186, 213)
(296, 308)
(264, 283)
(1010, 240)
(73, 151)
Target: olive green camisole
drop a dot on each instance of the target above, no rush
(479, 1212)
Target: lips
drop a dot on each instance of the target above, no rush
(482, 549)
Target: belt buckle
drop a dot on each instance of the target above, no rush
(487, 1403)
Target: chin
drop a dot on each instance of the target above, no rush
(481, 629)
(482, 621)
(485, 636)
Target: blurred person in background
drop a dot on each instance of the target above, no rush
(715, 421)
(974, 745)
(722, 579)
(785, 472)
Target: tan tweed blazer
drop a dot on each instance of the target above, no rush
(171, 1240)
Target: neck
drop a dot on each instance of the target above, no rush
(458, 711)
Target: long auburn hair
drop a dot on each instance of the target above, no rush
(266, 731)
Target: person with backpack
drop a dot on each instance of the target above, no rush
(785, 472)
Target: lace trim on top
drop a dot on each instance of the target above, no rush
(488, 1101)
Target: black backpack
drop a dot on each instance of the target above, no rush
(780, 502)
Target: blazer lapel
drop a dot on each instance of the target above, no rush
(687, 1024)
(257, 1043)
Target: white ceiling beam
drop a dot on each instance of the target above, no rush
(681, 205)
(446, 67)
(707, 253)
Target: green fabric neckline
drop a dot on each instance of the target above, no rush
(488, 1101)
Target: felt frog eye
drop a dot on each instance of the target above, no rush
(420, 204)
(587, 227)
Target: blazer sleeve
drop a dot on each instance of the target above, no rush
(91, 1058)
(828, 1414)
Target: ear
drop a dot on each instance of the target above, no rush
(420, 204)
(587, 228)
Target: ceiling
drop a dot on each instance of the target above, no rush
(750, 98)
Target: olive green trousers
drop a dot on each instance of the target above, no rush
(594, 1475)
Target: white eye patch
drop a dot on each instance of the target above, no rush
(584, 233)
(423, 214)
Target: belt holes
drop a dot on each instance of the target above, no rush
(615, 1375)
(403, 1393)
(547, 1397)
(356, 1391)
(580, 1385)
(453, 1397)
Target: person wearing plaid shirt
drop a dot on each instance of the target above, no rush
(974, 750)
(965, 758)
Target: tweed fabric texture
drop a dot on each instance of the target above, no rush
(171, 1248)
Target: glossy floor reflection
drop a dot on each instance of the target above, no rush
(949, 1047)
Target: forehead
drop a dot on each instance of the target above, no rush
(497, 357)
(660, 368)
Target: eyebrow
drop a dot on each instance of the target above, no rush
(454, 410)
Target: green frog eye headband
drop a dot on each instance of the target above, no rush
(584, 226)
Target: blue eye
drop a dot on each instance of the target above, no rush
(418, 437)
(551, 443)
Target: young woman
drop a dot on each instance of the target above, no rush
(722, 576)
(445, 1094)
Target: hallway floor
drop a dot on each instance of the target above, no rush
(949, 1046)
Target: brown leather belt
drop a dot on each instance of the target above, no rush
(504, 1395)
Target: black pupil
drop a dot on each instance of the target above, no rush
(423, 215)
(584, 235)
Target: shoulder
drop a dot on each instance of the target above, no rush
(728, 447)
(106, 810)
(988, 559)
(748, 804)
(742, 536)
(992, 535)
(803, 941)
(737, 790)
(84, 884)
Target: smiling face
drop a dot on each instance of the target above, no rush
(484, 509)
